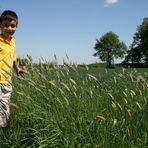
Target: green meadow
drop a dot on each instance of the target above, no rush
(78, 107)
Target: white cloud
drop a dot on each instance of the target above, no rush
(109, 2)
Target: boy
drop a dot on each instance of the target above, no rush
(8, 26)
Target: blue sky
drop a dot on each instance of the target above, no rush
(60, 27)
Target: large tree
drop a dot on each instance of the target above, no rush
(138, 52)
(109, 47)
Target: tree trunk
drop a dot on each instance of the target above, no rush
(109, 58)
(146, 60)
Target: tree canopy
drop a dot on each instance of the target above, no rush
(109, 47)
(138, 52)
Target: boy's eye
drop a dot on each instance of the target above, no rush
(7, 25)
(13, 26)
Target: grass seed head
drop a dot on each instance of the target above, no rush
(138, 105)
(111, 96)
(100, 117)
(128, 111)
(114, 105)
(73, 82)
(131, 77)
(119, 106)
(115, 80)
(65, 86)
(124, 94)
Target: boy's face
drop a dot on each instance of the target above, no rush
(8, 28)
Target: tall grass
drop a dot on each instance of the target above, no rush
(71, 106)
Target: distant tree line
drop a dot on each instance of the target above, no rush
(109, 47)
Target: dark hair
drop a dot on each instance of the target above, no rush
(9, 15)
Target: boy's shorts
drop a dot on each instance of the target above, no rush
(5, 94)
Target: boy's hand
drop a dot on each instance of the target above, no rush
(20, 71)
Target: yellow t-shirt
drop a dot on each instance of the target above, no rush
(7, 58)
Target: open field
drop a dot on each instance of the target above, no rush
(72, 106)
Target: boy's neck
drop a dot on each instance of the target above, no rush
(8, 39)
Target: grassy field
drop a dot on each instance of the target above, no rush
(77, 107)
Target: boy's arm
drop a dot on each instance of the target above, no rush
(15, 66)
(17, 69)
